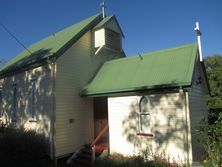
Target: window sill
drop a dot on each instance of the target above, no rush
(145, 134)
(33, 121)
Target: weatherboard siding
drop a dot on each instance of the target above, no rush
(168, 125)
(74, 114)
(113, 26)
(41, 123)
(198, 111)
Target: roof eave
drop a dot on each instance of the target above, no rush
(137, 91)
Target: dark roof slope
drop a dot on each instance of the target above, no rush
(168, 68)
(50, 47)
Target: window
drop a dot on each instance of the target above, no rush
(144, 115)
(14, 104)
(33, 99)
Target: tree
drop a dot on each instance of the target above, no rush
(213, 66)
(211, 137)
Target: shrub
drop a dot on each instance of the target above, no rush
(211, 138)
(118, 160)
(20, 148)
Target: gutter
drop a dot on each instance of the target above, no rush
(136, 91)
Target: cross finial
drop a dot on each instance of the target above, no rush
(197, 29)
(102, 4)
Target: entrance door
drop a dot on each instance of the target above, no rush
(101, 119)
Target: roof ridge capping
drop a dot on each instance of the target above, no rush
(171, 49)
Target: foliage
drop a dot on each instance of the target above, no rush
(20, 148)
(118, 160)
(213, 66)
(211, 138)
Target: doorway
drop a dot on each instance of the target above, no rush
(101, 120)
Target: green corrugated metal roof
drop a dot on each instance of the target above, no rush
(161, 69)
(51, 46)
(105, 21)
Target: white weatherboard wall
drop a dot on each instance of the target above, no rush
(74, 114)
(168, 125)
(42, 76)
(198, 108)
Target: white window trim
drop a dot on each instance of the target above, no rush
(14, 103)
(33, 101)
(140, 114)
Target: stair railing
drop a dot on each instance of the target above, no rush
(98, 137)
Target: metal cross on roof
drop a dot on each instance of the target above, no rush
(102, 4)
(197, 29)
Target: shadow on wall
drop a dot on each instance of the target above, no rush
(167, 124)
(27, 97)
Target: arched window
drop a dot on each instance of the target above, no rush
(144, 115)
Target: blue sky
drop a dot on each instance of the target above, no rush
(148, 25)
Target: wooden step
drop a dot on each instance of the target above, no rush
(84, 157)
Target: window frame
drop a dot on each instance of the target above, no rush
(33, 101)
(141, 114)
(14, 103)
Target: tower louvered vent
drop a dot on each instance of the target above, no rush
(108, 38)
